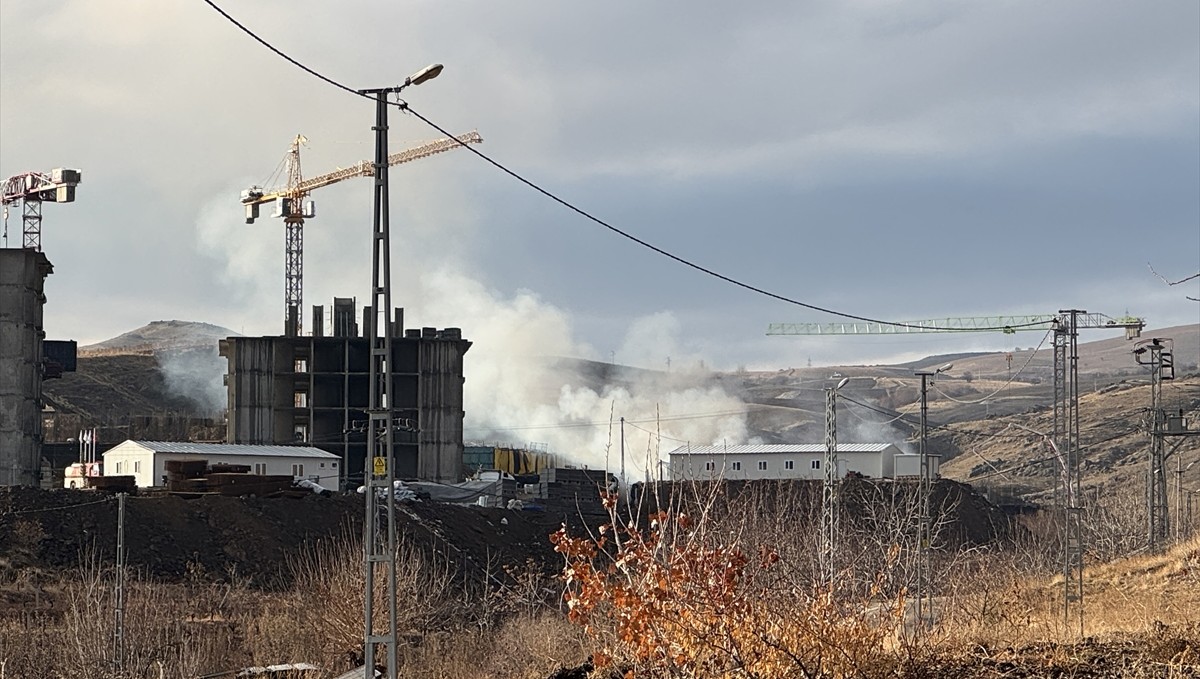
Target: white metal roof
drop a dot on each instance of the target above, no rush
(769, 448)
(227, 449)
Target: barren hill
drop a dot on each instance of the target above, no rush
(1011, 453)
(160, 336)
(165, 369)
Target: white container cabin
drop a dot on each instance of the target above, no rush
(146, 460)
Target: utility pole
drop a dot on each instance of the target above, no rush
(379, 468)
(1066, 439)
(829, 490)
(622, 455)
(1156, 353)
(924, 520)
(119, 596)
(1179, 520)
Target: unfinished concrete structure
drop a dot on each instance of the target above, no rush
(315, 390)
(22, 278)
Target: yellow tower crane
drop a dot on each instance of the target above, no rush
(292, 204)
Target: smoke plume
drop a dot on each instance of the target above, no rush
(529, 380)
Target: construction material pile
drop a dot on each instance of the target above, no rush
(575, 489)
(233, 480)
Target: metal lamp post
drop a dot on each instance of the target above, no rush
(924, 487)
(379, 471)
(829, 499)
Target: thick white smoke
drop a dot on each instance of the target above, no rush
(196, 374)
(518, 393)
(870, 427)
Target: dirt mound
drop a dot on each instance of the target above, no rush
(224, 538)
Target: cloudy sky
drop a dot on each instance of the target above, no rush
(897, 160)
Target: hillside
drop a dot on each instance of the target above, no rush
(171, 368)
(161, 336)
(163, 377)
(1008, 452)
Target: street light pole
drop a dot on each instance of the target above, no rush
(829, 498)
(924, 489)
(379, 467)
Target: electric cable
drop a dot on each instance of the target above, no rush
(655, 433)
(1055, 457)
(1006, 384)
(900, 415)
(403, 105)
(54, 509)
(895, 415)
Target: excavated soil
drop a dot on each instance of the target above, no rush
(250, 539)
(253, 539)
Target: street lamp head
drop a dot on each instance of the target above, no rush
(842, 383)
(944, 368)
(428, 73)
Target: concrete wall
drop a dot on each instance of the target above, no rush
(259, 397)
(440, 398)
(22, 278)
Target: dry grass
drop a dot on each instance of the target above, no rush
(996, 603)
(996, 608)
(1135, 593)
(447, 628)
(697, 600)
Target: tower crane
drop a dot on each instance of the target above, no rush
(1006, 324)
(292, 205)
(31, 189)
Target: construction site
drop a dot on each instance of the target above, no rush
(417, 483)
(250, 496)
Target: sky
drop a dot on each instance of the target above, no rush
(894, 160)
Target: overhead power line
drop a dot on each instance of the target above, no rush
(59, 507)
(403, 105)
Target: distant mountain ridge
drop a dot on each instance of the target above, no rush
(161, 336)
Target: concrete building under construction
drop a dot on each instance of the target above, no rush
(22, 278)
(315, 390)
